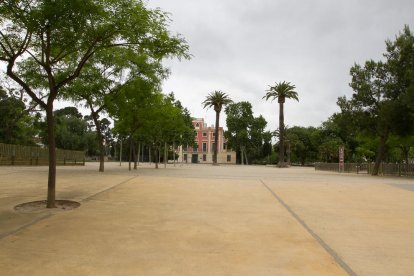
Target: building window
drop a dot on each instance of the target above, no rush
(228, 158)
(195, 148)
(204, 147)
(213, 147)
(197, 125)
(204, 157)
(204, 134)
(185, 157)
(185, 148)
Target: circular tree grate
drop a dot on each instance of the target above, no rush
(40, 205)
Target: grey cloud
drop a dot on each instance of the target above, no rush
(243, 46)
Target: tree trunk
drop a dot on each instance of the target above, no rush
(51, 183)
(120, 153)
(157, 158)
(380, 152)
(288, 153)
(174, 152)
(100, 138)
(216, 138)
(115, 153)
(281, 137)
(134, 152)
(241, 156)
(165, 155)
(245, 157)
(142, 153)
(139, 152)
(130, 154)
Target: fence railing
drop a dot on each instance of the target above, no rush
(17, 155)
(385, 168)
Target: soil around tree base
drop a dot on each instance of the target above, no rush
(40, 205)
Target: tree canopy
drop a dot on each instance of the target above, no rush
(246, 134)
(17, 124)
(46, 45)
(382, 99)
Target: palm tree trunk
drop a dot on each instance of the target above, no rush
(281, 137)
(216, 138)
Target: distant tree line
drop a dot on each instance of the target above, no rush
(376, 124)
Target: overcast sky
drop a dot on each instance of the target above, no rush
(242, 46)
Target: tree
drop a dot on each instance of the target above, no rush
(166, 124)
(101, 82)
(246, 134)
(281, 91)
(382, 99)
(143, 114)
(71, 130)
(132, 107)
(216, 100)
(344, 125)
(403, 148)
(304, 143)
(238, 121)
(46, 44)
(17, 125)
(260, 140)
(183, 131)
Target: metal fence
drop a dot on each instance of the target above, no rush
(17, 155)
(367, 168)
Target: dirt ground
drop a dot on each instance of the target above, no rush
(206, 220)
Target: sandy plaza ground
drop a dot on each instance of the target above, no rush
(207, 220)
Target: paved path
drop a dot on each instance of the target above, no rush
(205, 220)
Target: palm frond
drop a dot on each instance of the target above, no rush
(216, 99)
(282, 89)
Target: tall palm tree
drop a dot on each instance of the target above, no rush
(281, 91)
(216, 100)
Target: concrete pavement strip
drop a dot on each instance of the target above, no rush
(328, 249)
(205, 220)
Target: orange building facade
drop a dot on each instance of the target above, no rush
(203, 151)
